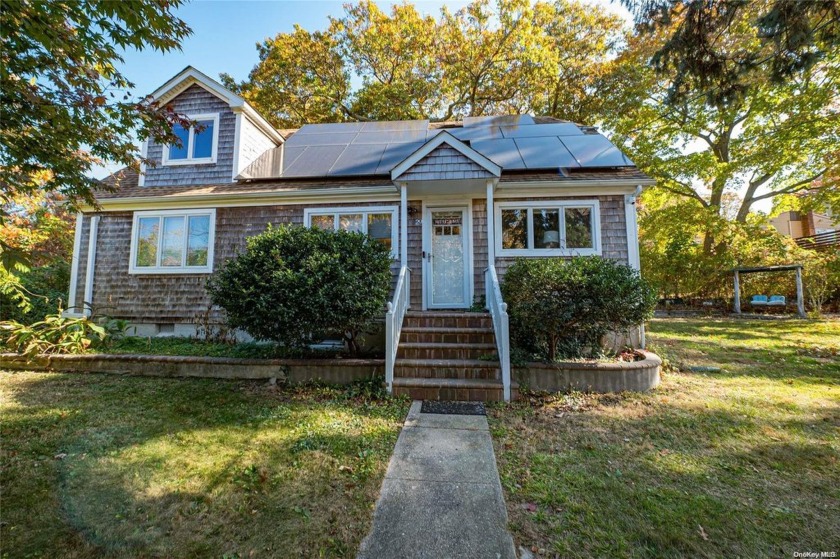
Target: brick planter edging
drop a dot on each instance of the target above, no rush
(635, 376)
(333, 371)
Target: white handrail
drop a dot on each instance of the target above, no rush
(393, 323)
(498, 310)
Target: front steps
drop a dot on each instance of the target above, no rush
(449, 356)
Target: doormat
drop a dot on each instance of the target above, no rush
(453, 408)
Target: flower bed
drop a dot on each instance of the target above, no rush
(592, 376)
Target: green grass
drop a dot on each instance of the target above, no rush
(124, 467)
(743, 461)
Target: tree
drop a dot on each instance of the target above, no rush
(64, 106)
(774, 139)
(790, 37)
(296, 285)
(510, 57)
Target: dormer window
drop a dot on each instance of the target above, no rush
(198, 142)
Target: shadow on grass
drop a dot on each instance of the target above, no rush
(190, 468)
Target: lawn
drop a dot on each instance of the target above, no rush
(118, 467)
(736, 454)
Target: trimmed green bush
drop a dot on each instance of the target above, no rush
(563, 308)
(296, 285)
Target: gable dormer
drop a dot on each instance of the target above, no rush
(229, 136)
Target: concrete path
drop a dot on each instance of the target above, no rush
(441, 496)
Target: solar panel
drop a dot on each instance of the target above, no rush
(395, 125)
(477, 133)
(315, 161)
(544, 153)
(335, 139)
(532, 130)
(390, 137)
(329, 128)
(499, 120)
(501, 152)
(394, 154)
(358, 160)
(594, 150)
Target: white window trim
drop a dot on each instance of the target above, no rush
(200, 160)
(364, 210)
(183, 269)
(594, 205)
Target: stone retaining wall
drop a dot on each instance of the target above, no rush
(333, 371)
(638, 376)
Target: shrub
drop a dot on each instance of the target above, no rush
(54, 334)
(297, 285)
(565, 307)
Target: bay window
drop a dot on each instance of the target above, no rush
(548, 228)
(172, 242)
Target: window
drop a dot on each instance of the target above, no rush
(198, 143)
(548, 228)
(172, 242)
(379, 222)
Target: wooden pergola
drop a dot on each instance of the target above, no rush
(800, 300)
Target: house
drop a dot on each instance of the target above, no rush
(457, 202)
(810, 229)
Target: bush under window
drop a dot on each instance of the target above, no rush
(298, 285)
(564, 308)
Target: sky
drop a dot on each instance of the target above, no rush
(225, 34)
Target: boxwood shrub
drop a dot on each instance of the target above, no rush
(563, 308)
(296, 285)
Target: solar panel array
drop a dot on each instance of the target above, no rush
(514, 142)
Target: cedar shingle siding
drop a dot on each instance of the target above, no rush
(196, 100)
(182, 297)
(445, 163)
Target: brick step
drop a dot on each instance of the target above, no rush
(444, 351)
(442, 369)
(439, 319)
(453, 389)
(412, 335)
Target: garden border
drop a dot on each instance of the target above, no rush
(639, 376)
(634, 376)
(294, 371)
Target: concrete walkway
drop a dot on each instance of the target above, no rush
(441, 496)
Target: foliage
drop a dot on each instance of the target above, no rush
(297, 285)
(723, 158)
(821, 279)
(512, 57)
(53, 334)
(44, 290)
(565, 307)
(64, 105)
(790, 38)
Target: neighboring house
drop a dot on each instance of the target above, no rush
(456, 201)
(805, 224)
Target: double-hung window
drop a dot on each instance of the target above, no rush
(173, 242)
(377, 221)
(548, 228)
(198, 142)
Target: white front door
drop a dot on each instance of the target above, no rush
(447, 258)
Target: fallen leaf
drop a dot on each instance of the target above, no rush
(703, 533)
(61, 456)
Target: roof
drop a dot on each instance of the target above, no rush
(511, 142)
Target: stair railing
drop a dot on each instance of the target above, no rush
(393, 323)
(498, 310)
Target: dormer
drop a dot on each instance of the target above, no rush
(229, 136)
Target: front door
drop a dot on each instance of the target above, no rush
(447, 258)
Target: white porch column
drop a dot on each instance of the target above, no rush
(632, 228)
(491, 226)
(91, 265)
(403, 225)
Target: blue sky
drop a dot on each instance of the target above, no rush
(225, 34)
